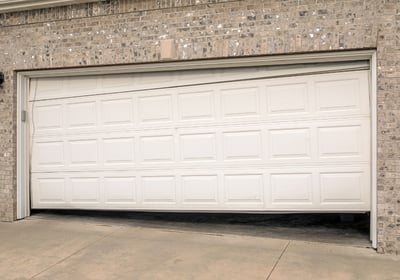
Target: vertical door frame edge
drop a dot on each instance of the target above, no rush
(374, 150)
(23, 191)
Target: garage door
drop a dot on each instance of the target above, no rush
(221, 140)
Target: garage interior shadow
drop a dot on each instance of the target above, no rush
(345, 229)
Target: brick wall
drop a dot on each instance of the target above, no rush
(111, 32)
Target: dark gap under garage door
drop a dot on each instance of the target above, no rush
(346, 229)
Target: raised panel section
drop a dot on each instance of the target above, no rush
(200, 189)
(49, 153)
(48, 117)
(242, 145)
(244, 189)
(341, 187)
(195, 147)
(85, 190)
(240, 102)
(81, 115)
(291, 188)
(83, 152)
(118, 150)
(119, 190)
(157, 148)
(196, 105)
(339, 141)
(289, 143)
(283, 99)
(51, 190)
(159, 190)
(155, 108)
(337, 95)
(117, 111)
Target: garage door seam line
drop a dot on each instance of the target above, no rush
(279, 258)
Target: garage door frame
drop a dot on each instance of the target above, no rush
(24, 77)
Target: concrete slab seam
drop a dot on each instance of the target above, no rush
(279, 258)
(74, 253)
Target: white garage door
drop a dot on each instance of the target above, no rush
(202, 141)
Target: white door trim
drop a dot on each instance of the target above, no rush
(24, 77)
(374, 150)
(23, 193)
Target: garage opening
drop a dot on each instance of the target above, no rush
(253, 139)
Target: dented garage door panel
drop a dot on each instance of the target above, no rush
(284, 144)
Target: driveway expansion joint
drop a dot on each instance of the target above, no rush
(279, 258)
(75, 252)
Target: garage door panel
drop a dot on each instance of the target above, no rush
(240, 102)
(288, 98)
(198, 147)
(341, 93)
(200, 189)
(48, 117)
(117, 111)
(244, 189)
(289, 144)
(349, 144)
(84, 190)
(48, 87)
(83, 85)
(49, 191)
(242, 145)
(81, 114)
(330, 188)
(337, 95)
(197, 104)
(327, 188)
(303, 142)
(120, 191)
(292, 188)
(159, 190)
(118, 150)
(155, 108)
(344, 141)
(83, 152)
(47, 154)
(325, 95)
(323, 141)
(342, 187)
(159, 148)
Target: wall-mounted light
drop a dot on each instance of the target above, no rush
(1, 78)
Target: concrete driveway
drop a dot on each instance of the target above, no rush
(45, 247)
